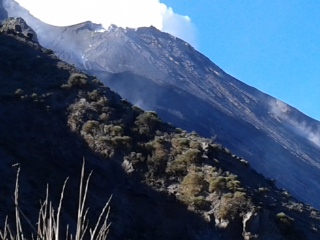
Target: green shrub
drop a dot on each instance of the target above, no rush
(217, 184)
(103, 102)
(116, 131)
(147, 122)
(104, 117)
(97, 81)
(184, 142)
(136, 158)
(180, 144)
(233, 184)
(90, 127)
(77, 80)
(183, 161)
(201, 203)
(191, 186)
(94, 95)
(195, 145)
(192, 156)
(121, 141)
(233, 205)
(157, 161)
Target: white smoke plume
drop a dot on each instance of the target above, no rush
(281, 111)
(123, 13)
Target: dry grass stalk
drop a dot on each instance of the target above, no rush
(49, 222)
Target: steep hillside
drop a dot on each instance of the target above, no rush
(166, 183)
(159, 72)
(3, 12)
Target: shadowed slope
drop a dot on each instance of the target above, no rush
(36, 135)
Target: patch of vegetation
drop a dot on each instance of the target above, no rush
(158, 157)
(233, 205)
(48, 226)
(147, 123)
(217, 184)
(183, 161)
(77, 80)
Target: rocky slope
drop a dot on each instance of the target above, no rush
(159, 72)
(166, 183)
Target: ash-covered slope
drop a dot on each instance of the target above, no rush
(166, 183)
(159, 72)
(3, 12)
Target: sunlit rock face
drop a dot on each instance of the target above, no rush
(20, 27)
(159, 72)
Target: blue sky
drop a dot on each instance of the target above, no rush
(272, 45)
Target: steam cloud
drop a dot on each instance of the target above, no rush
(123, 13)
(281, 111)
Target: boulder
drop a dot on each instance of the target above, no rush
(18, 26)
